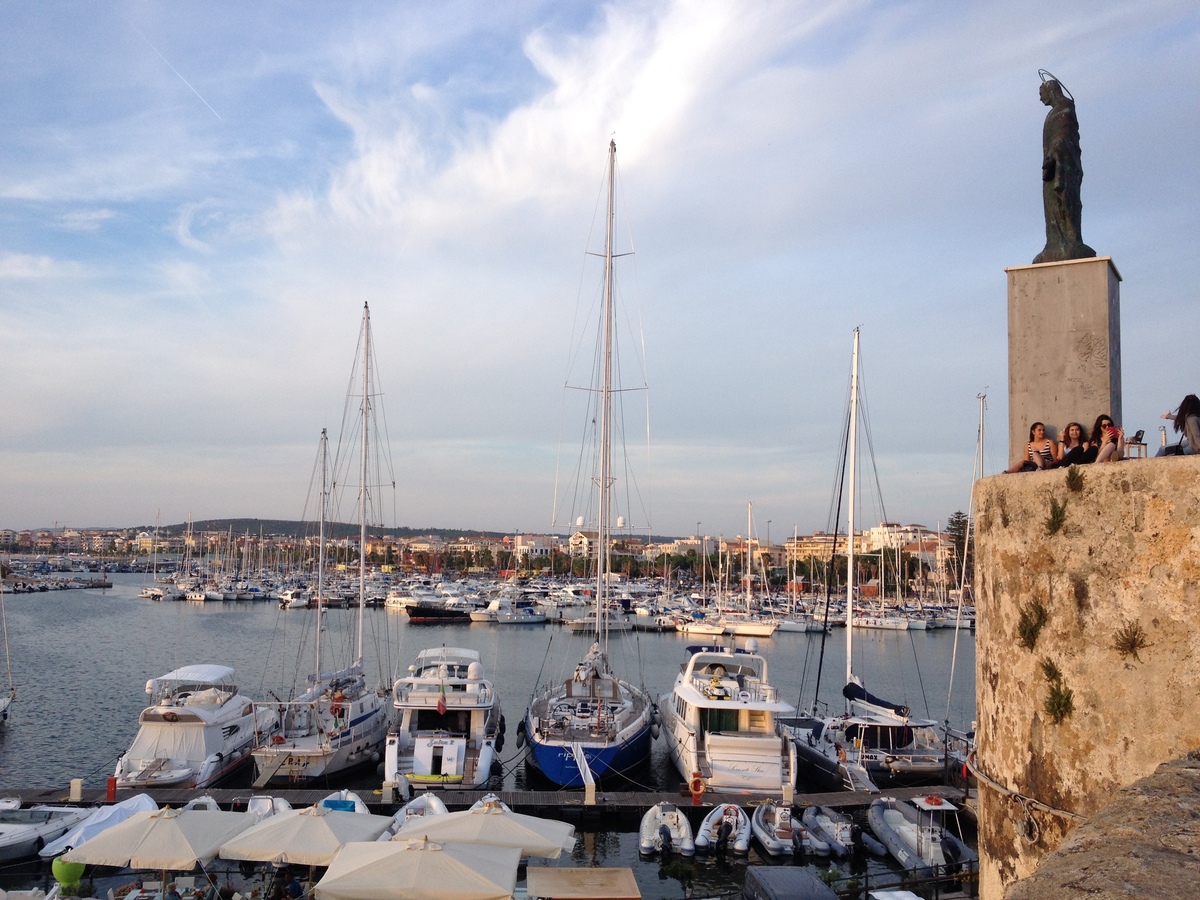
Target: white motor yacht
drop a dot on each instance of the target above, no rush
(450, 727)
(197, 730)
(719, 722)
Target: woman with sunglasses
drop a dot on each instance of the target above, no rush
(1109, 439)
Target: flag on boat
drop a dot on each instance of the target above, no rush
(441, 707)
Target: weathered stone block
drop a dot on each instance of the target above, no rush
(1127, 555)
(1064, 346)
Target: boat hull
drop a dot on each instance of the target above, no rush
(556, 759)
(292, 760)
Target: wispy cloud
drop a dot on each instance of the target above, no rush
(86, 219)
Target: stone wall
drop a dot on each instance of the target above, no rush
(1088, 645)
(1146, 843)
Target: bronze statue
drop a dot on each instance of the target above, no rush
(1062, 175)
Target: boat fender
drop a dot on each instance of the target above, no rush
(521, 734)
(655, 730)
(503, 726)
(696, 785)
(500, 742)
(934, 801)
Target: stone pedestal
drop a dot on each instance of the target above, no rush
(1064, 346)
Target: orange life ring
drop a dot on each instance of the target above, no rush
(170, 717)
(933, 801)
(336, 710)
(696, 785)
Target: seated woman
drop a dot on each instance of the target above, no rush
(1075, 449)
(1187, 423)
(1108, 439)
(1040, 453)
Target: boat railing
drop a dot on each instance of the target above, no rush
(750, 690)
(410, 695)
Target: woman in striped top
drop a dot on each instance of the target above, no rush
(1040, 453)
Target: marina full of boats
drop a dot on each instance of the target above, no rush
(473, 669)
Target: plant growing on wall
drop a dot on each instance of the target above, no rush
(1029, 626)
(1074, 479)
(1129, 639)
(1060, 702)
(1057, 517)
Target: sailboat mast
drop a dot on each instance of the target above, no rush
(850, 514)
(603, 551)
(749, 566)
(362, 494)
(321, 541)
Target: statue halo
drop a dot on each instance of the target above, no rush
(1049, 76)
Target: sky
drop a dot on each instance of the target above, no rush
(196, 200)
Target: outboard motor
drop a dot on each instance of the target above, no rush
(798, 847)
(664, 838)
(724, 830)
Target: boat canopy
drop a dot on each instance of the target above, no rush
(202, 676)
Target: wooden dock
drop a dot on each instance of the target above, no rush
(565, 804)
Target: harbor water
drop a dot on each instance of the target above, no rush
(81, 659)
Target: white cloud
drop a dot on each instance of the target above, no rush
(27, 266)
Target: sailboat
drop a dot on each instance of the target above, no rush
(338, 723)
(875, 743)
(746, 623)
(593, 724)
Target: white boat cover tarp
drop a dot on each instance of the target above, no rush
(102, 819)
(180, 741)
(175, 839)
(494, 826)
(306, 837)
(420, 870)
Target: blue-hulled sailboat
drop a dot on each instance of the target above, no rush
(593, 724)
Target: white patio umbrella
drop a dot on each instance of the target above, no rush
(494, 826)
(306, 837)
(420, 870)
(169, 839)
(102, 819)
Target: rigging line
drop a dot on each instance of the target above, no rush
(920, 681)
(977, 471)
(833, 553)
(538, 682)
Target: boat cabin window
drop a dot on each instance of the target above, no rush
(455, 721)
(718, 720)
(881, 737)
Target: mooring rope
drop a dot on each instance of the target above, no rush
(1025, 800)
